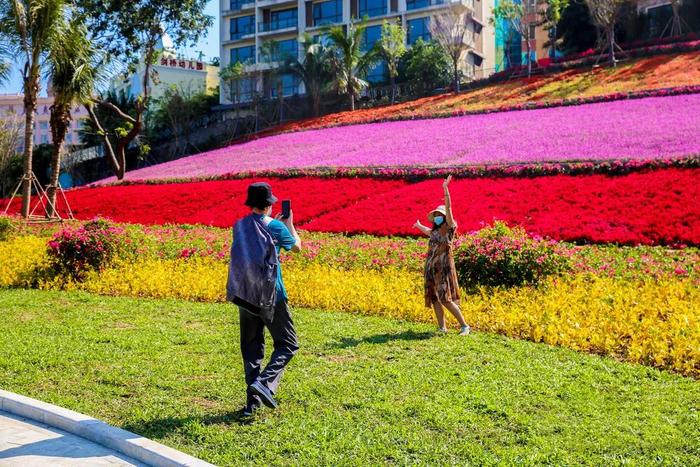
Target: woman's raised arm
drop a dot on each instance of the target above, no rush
(448, 202)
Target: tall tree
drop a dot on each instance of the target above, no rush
(391, 47)
(313, 69)
(130, 32)
(605, 14)
(10, 137)
(425, 67)
(552, 16)
(232, 77)
(32, 28)
(453, 31)
(349, 61)
(73, 75)
(521, 17)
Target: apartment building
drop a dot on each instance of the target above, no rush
(12, 108)
(172, 70)
(248, 24)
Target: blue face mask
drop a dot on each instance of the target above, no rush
(439, 220)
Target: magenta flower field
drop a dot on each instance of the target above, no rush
(640, 129)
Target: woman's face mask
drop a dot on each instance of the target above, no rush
(439, 220)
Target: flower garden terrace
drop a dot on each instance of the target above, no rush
(636, 304)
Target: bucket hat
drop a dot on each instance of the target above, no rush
(260, 195)
(438, 210)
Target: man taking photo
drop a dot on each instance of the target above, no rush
(255, 284)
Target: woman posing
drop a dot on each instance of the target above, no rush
(441, 288)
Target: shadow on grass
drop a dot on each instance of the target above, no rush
(347, 342)
(161, 427)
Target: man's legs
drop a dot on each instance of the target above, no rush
(285, 346)
(253, 351)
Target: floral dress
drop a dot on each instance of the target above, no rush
(440, 273)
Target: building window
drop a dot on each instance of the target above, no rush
(243, 54)
(242, 26)
(44, 126)
(280, 19)
(238, 4)
(416, 4)
(290, 85)
(44, 139)
(282, 50)
(328, 12)
(378, 74)
(371, 36)
(372, 8)
(418, 29)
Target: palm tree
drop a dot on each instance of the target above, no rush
(313, 69)
(350, 62)
(32, 27)
(73, 76)
(4, 64)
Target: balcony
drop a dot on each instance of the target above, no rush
(238, 5)
(458, 4)
(328, 21)
(277, 25)
(373, 12)
(242, 34)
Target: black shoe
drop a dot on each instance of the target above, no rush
(264, 394)
(249, 410)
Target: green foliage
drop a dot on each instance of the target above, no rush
(350, 61)
(509, 257)
(178, 109)
(392, 46)
(130, 30)
(575, 31)
(362, 390)
(314, 69)
(426, 66)
(6, 227)
(113, 124)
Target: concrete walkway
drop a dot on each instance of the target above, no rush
(28, 443)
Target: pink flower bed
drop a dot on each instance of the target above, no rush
(635, 129)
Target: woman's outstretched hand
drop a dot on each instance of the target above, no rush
(446, 183)
(418, 225)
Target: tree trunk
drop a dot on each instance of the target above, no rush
(455, 66)
(393, 88)
(31, 90)
(529, 57)
(613, 60)
(60, 121)
(315, 103)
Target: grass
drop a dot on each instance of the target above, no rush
(362, 391)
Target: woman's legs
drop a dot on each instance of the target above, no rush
(454, 309)
(439, 314)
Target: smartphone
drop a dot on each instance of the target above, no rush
(286, 208)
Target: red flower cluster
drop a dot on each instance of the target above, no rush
(655, 207)
(659, 207)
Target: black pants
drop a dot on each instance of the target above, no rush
(284, 339)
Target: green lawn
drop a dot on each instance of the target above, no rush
(362, 391)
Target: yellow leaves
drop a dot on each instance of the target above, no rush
(650, 322)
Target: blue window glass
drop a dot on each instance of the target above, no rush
(378, 74)
(280, 19)
(416, 4)
(290, 85)
(372, 35)
(418, 28)
(328, 12)
(242, 26)
(247, 89)
(372, 8)
(238, 4)
(243, 54)
(281, 50)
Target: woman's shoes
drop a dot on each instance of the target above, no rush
(465, 330)
(442, 330)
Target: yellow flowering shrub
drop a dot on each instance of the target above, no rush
(20, 257)
(653, 322)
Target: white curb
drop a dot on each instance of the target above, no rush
(127, 443)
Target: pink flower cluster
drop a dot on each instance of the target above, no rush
(641, 129)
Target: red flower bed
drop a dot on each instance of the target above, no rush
(216, 203)
(655, 207)
(659, 207)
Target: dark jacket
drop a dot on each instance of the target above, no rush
(252, 273)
